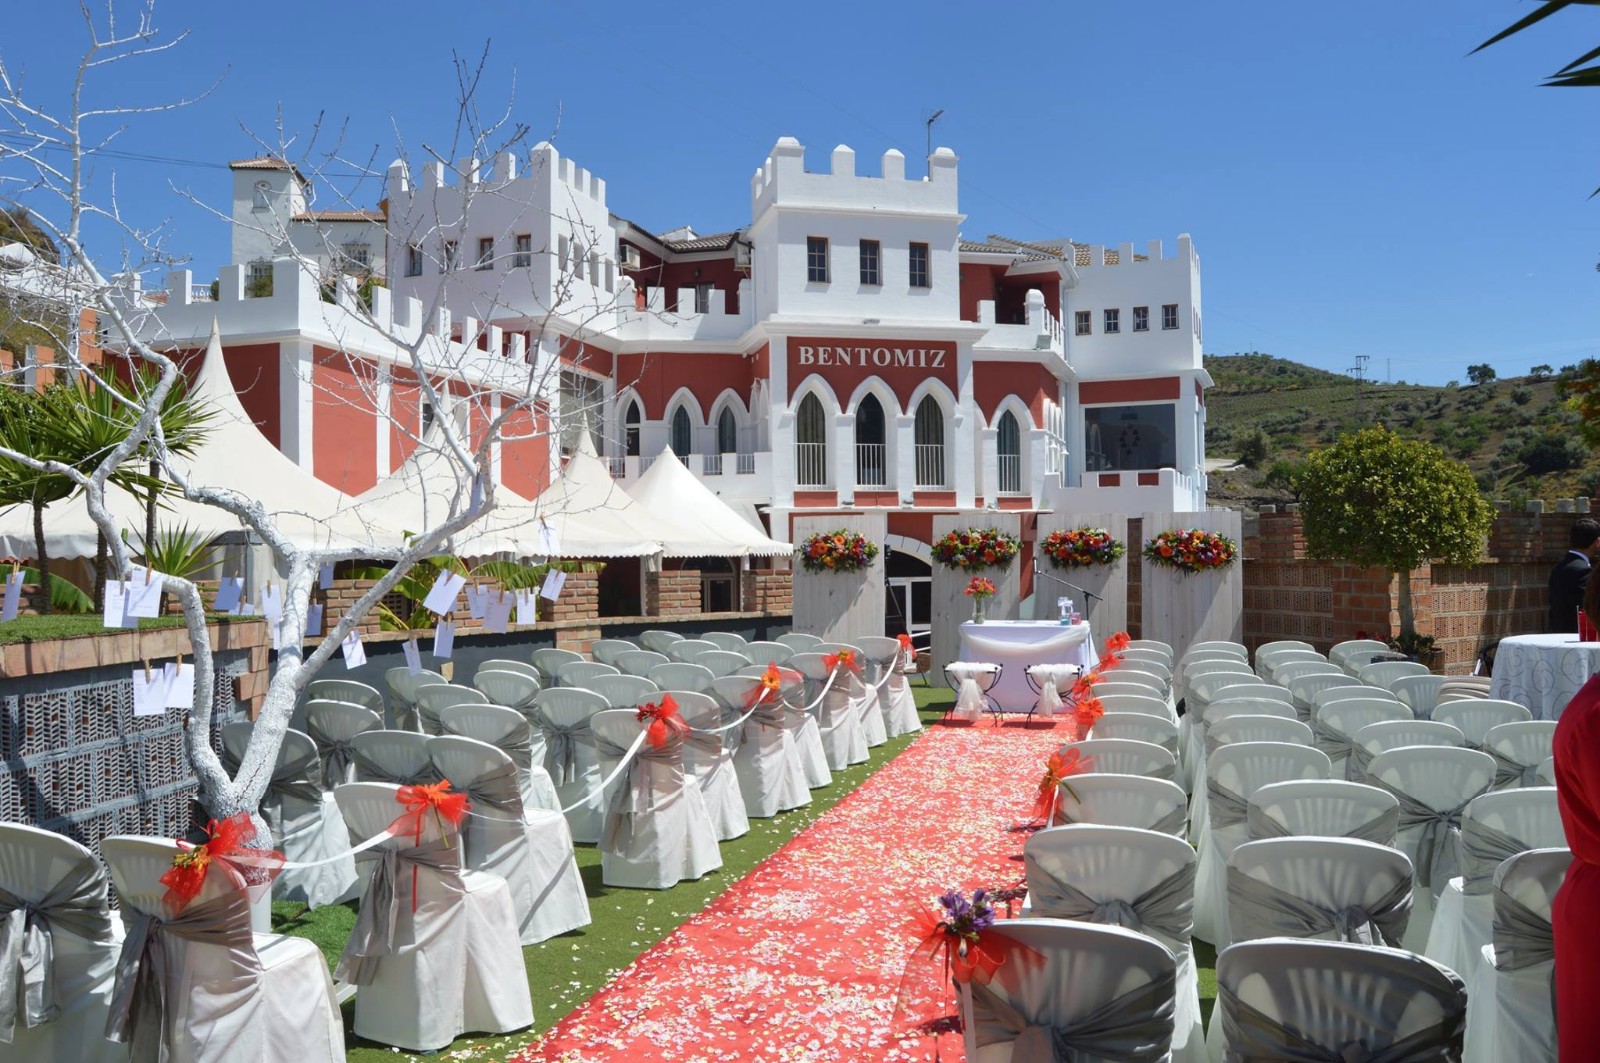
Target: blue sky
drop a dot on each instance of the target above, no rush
(1354, 182)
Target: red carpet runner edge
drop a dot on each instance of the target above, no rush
(800, 961)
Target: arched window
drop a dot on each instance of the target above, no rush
(810, 443)
(263, 193)
(1008, 448)
(930, 443)
(681, 433)
(630, 430)
(871, 452)
(727, 433)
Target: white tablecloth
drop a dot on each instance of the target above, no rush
(1543, 671)
(1019, 643)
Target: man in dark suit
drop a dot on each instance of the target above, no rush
(1570, 577)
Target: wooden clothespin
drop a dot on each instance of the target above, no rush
(149, 574)
(148, 678)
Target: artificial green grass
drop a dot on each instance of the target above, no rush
(81, 625)
(565, 971)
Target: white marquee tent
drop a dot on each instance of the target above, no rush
(588, 515)
(716, 529)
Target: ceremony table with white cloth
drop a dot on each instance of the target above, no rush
(1543, 671)
(1016, 644)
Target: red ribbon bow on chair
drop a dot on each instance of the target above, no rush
(1118, 642)
(905, 641)
(844, 659)
(954, 943)
(226, 845)
(1058, 769)
(664, 720)
(447, 806)
(1084, 686)
(1086, 712)
(1108, 661)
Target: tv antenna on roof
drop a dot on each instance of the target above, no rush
(935, 116)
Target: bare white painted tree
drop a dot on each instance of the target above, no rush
(484, 390)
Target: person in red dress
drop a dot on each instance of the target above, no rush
(1575, 916)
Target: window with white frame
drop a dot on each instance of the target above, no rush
(682, 432)
(871, 254)
(1055, 432)
(920, 277)
(1169, 315)
(727, 432)
(260, 270)
(413, 260)
(452, 256)
(1008, 454)
(564, 251)
(262, 199)
(702, 298)
(1141, 319)
(810, 443)
(928, 434)
(357, 258)
(630, 430)
(817, 259)
(522, 255)
(485, 253)
(577, 261)
(1113, 321)
(594, 267)
(582, 405)
(1081, 323)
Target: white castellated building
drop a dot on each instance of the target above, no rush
(848, 349)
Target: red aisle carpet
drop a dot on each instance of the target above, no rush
(801, 959)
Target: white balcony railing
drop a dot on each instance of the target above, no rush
(745, 465)
(1010, 474)
(711, 464)
(872, 464)
(811, 464)
(930, 465)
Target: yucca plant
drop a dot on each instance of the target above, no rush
(180, 552)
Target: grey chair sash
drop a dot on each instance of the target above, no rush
(1483, 848)
(1331, 740)
(373, 935)
(1258, 909)
(1228, 809)
(561, 749)
(1254, 1037)
(1381, 828)
(1135, 1027)
(1166, 908)
(1439, 848)
(77, 905)
(369, 770)
(1508, 772)
(498, 788)
(1359, 764)
(337, 755)
(139, 1007)
(634, 795)
(769, 714)
(1522, 937)
(296, 778)
(711, 747)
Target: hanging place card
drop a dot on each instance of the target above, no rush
(180, 685)
(149, 691)
(413, 656)
(116, 612)
(444, 639)
(497, 613)
(554, 580)
(355, 654)
(527, 607)
(325, 575)
(229, 593)
(272, 603)
(477, 602)
(442, 598)
(13, 596)
(142, 595)
(314, 620)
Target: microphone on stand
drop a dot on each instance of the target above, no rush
(1086, 592)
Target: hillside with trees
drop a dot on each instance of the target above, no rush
(1517, 434)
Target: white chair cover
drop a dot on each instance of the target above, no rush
(399, 757)
(306, 825)
(331, 725)
(708, 758)
(680, 675)
(346, 690)
(1153, 644)
(657, 641)
(968, 678)
(550, 660)
(1268, 663)
(1101, 993)
(606, 650)
(766, 761)
(530, 848)
(1494, 828)
(515, 689)
(621, 691)
(639, 662)
(1139, 727)
(1434, 785)
(1328, 808)
(1233, 729)
(1323, 698)
(1120, 756)
(1122, 876)
(1420, 693)
(1115, 700)
(722, 662)
(58, 950)
(577, 673)
(731, 641)
(1343, 651)
(1123, 801)
(1463, 688)
(228, 994)
(1385, 735)
(657, 831)
(1286, 999)
(402, 714)
(861, 685)
(837, 713)
(1519, 751)
(506, 664)
(799, 641)
(1236, 650)
(510, 732)
(435, 948)
(563, 715)
(1385, 672)
(767, 652)
(1336, 723)
(1149, 661)
(687, 650)
(1143, 652)
(434, 698)
(1304, 689)
(1255, 699)
(1476, 717)
(1233, 773)
(883, 658)
(1510, 1015)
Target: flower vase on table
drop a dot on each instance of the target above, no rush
(979, 590)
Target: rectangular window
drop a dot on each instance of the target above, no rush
(523, 256)
(577, 262)
(452, 256)
(702, 298)
(1080, 323)
(413, 260)
(1141, 436)
(919, 266)
(485, 252)
(1113, 321)
(357, 258)
(565, 246)
(1169, 315)
(1141, 319)
(817, 259)
(871, 251)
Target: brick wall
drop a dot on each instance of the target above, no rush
(1135, 558)
(768, 591)
(579, 598)
(672, 593)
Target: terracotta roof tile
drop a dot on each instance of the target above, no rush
(340, 215)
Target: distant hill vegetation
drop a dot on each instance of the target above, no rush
(1516, 434)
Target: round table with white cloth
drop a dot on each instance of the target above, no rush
(1016, 644)
(1543, 671)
